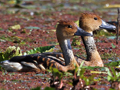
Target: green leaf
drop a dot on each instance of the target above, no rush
(113, 46)
(108, 71)
(55, 70)
(118, 74)
(109, 78)
(114, 73)
(87, 81)
(39, 50)
(80, 69)
(115, 63)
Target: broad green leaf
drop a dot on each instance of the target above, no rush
(39, 50)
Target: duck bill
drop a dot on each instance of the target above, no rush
(81, 32)
(107, 26)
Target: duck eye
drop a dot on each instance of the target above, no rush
(95, 18)
(69, 26)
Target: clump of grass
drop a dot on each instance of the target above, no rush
(10, 52)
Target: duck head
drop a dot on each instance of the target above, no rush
(67, 29)
(91, 22)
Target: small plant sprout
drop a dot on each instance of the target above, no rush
(113, 77)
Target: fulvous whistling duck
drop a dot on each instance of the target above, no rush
(91, 22)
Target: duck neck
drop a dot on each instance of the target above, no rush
(91, 50)
(67, 52)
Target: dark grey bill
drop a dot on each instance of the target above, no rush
(107, 26)
(81, 32)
